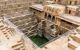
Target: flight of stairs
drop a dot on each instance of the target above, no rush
(26, 22)
(74, 41)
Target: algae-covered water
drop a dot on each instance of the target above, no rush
(39, 40)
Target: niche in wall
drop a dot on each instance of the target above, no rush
(49, 17)
(69, 12)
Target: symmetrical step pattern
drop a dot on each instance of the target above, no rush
(19, 45)
(26, 23)
(6, 30)
(11, 6)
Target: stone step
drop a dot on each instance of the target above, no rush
(73, 44)
(76, 38)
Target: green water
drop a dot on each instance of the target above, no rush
(39, 40)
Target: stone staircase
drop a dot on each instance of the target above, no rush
(74, 41)
(26, 22)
